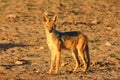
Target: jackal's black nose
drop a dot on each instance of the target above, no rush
(50, 31)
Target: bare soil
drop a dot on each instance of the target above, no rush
(24, 54)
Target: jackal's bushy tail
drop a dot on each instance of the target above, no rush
(87, 56)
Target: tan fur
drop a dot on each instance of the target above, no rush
(74, 41)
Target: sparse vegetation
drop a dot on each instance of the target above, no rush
(95, 40)
(31, 7)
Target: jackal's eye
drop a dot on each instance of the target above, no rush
(47, 26)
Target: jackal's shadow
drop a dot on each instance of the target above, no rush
(4, 46)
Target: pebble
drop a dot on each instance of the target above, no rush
(109, 28)
(41, 48)
(108, 44)
(94, 22)
(18, 62)
(37, 71)
(11, 16)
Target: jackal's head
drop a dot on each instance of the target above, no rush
(49, 23)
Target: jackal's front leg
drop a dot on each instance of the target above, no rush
(52, 61)
(57, 61)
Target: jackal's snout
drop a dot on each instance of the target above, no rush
(52, 28)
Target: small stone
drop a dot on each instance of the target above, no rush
(108, 44)
(11, 16)
(41, 48)
(94, 22)
(109, 28)
(37, 71)
(18, 62)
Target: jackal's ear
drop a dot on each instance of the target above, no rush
(54, 18)
(45, 19)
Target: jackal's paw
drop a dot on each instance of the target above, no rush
(49, 72)
(84, 71)
(56, 73)
(75, 69)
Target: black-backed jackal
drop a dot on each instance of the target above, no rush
(74, 41)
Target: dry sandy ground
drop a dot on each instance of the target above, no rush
(24, 54)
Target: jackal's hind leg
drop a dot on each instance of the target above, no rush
(75, 56)
(82, 54)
